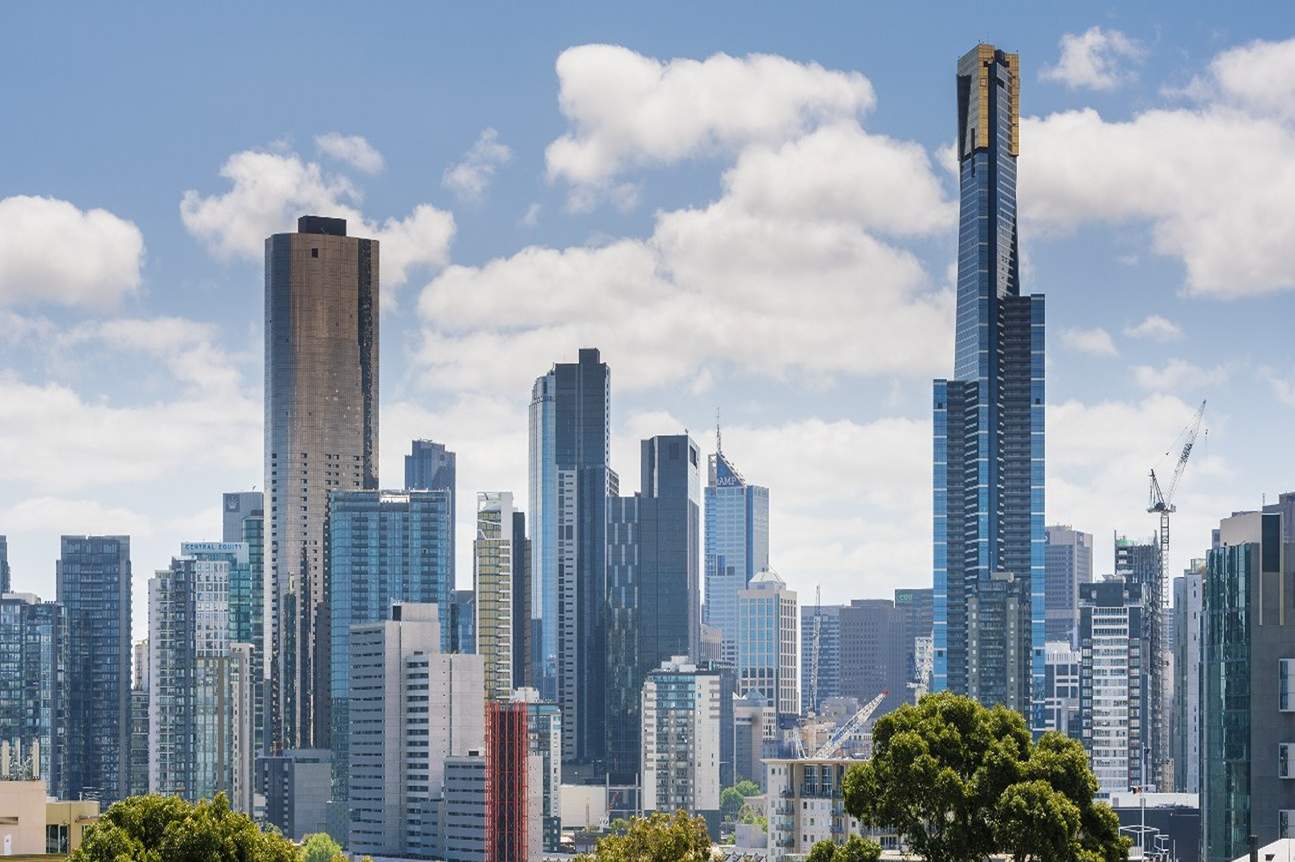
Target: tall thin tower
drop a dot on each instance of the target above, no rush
(321, 435)
(988, 453)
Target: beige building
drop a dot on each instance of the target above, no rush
(31, 823)
(806, 804)
(492, 579)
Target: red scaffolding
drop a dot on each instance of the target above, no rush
(507, 746)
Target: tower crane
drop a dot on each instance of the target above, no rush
(1161, 502)
(838, 739)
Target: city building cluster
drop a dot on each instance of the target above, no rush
(314, 659)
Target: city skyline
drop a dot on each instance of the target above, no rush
(851, 512)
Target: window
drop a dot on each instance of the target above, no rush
(314, 252)
(1286, 823)
(1286, 760)
(1286, 684)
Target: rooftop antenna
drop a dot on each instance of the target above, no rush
(719, 443)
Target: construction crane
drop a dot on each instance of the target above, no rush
(844, 732)
(1161, 502)
(814, 648)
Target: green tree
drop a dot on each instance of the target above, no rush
(856, 849)
(822, 851)
(730, 803)
(168, 829)
(960, 782)
(320, 847)
(656, 838)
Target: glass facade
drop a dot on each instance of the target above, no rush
(33, 683)
(94, 588)
(766, 643)
(737, 545)
(988, 450)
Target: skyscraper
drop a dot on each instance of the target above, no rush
(1188, 609)
(139, 735)
(570, 481)
(916, 611)
(1068, 563)
(653, 587)
(430, 466)
(492, 580)
(34, 683)
(988, 418)
(873, 657)
(825, 620)
(682, 732)
(321, 435)
(766, 642)
(523, 671)
(93, 577)
(6, 579)
(737, 543)
(1139, 563)
(1113, 682)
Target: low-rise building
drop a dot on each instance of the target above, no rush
(806, 804)
(33, 824)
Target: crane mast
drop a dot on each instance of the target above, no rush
(1162, 503)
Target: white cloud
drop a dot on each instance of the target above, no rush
(1258, 77)
(52, 252)
(270, 190)
(1155, 328)
(354, 150)
(531, 217)
(470, 177)
(1096, 341)
(1096, 59)
(628, 110)
(1281, 385)
(1178, 374)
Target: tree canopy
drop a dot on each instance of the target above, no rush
(320, 847)
(656, 838)
(732, 798)
(856, 849)
(168, 829)
(959, 782)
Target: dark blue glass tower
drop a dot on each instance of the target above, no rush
(988, 476)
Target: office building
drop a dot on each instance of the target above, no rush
(297, 790)
(35, 686)
(712, 640)
(384, 547)
(570, 482)
(1114, 682)
(464, 830)
(522, 638)
(429, 466)
(767, 642)
(321, 436)
(244, 521)
(653, 587)
(988, 418)
(492, 581)
(873, 654)
(755, 737)
(6, 577)
(681, 736)
(139, 737)
(1067, 563)
(916, 609)
(1248, 686)
(1061, 689)
(237, 507)
(411, 707)
(544, 732)
(821, 623)
(737, 543)
(94, 588)
(463, 622)
(1189, 594)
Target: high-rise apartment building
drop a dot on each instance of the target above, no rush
(988, 418)
(1248, 687)
(94, 588)
(6, 578)
(1061, 689)
(681, 737)
(523, 648)
(34, 685)
(1189, 593)
(1139, 563)
(244, 521)
(820, 652)
(1114, 682)
(1067, 563)
(321, 436)
(492, 580)
(737, 543)
(429, 466)
(653, 587)
(139, 736)
(873, 657)
(570, 482)
(767, 642)
(544, 731)
(411, 708)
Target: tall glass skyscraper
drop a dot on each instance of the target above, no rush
(570, 481)
(988, 418)
(34, 684)
(429, 466)
(321, 435)
(93, 584)
(5, 578)
(737, 544)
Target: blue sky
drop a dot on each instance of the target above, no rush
(747, 206)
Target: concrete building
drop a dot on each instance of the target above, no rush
(544, 731)
(34, 825)
(1188, 610)
(806, 804)
(34, 686)
(463, 825)
(755, 737)
(916, 609)
(681, 735)
(653, 587)
(297, 790)
(1068, 563)
(492, 581)
(736, 543)
(1061, 684)
(874, 657)
(94, 588)
(411, 708)
(1139, 563)
(826, 621)
(712, 643)
(1248, 686)
(321, 436)
(767, 642)
(1113, 683)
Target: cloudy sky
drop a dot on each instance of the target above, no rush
(748, 207)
